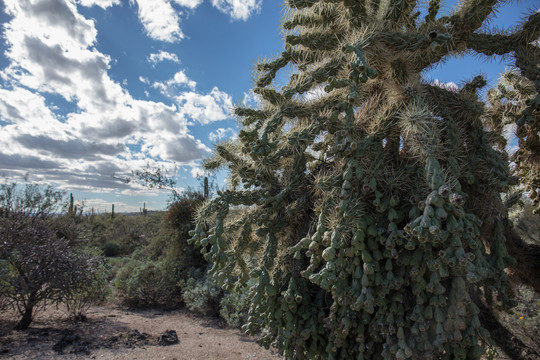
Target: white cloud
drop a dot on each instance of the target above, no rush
(222, 134)
(197, 172)
(48, 20)
(104, 206)
(192, 4)
(144, 80)
(50, 50)
(205, 108)
(509, 133)
(180, 78)
(101, 3)
(238, 9)
(160, 20)
(314, 93)
(252, 100)
(162, 56)
(446, 85)
(169, 87)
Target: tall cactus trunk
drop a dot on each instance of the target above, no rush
(71, 208)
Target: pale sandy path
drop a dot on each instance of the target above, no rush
(200, 338)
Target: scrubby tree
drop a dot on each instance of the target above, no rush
(37, 262)
(365, 198)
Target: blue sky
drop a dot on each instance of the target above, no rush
(93, 89)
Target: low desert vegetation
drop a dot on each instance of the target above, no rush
(39, 260)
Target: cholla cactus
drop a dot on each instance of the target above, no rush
(515, 102)
(364, 199)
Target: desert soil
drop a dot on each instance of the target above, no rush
(114, 333)
(111, 332)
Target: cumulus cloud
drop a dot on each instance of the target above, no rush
(222, 134)
(192, 4)
(101, 3)
(252, 100)
(452, 86)
(215, 106)
(102, 206)
(197, 172)
(160, 20)
(509, 132)
(169, 87)
(154, 58)
(51, 51)
(238, 9)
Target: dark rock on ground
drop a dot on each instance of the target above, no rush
(169, 337)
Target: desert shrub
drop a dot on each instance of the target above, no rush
(111, 249)
(179, 217)
(40, 265)
(201, 294)
(94, 290)
(121, 235)
(4, 303)
(114, 265)
(149, 283)
(234, 305)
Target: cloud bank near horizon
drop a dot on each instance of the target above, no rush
(65, 120)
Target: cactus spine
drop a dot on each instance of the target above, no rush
(514, 96)
(360, 195)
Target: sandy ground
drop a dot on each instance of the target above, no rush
(113, 333)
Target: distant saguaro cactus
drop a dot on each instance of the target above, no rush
(365, 199)
(144, 212)
(71, 208)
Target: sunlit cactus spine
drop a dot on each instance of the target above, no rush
(515, 114)
(364, 199)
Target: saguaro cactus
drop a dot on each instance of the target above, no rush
(365, 199)
(71, 206)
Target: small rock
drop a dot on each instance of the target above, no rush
(169, 337)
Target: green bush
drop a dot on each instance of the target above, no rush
(200, 294)
(234, 305)
(111, 249)
(149, 283)
(95, 290)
